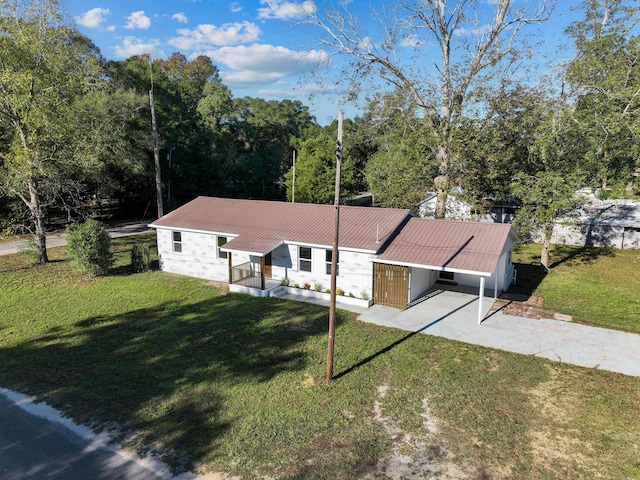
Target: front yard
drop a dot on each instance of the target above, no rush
(233, 383)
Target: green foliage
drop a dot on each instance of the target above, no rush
(89, 246)
(140, 258)
(315, 170)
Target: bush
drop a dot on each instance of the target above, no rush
(89, 245)
(318, 287)
(140, 258)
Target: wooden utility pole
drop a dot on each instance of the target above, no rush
(156, 149)
(293, 182)
(334, 254)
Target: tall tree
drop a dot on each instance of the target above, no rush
(45, 65)
(474, 43)
(605, 76)
(315, 168)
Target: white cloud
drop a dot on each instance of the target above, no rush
(206, 36)
(138, 20)
(269, 58)
(303, 91)
(412, 41)
(93, 18)
(236, 7)
(366, 43)
(264, 64)
(134, 46)
(284, 10)
(475, 31)
(180, 17)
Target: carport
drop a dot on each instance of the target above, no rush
(443, 308)
(426, 258)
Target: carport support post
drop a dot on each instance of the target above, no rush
(480, 298)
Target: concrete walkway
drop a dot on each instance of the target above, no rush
(453, 315)
(60, 239)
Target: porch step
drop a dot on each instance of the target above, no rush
(277, 292)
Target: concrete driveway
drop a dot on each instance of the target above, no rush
(453, 315)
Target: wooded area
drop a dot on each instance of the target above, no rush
(76, 133)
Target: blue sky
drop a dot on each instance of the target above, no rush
(258, 45)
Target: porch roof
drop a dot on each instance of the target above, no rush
(449, 245)
(259, 246)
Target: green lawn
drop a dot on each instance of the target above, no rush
(235, 383)
(597, 286)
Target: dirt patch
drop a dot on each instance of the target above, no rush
(417, 456)
(525, 306)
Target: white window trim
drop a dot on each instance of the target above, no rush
(309, 260)
(220, 254)
(176, 245)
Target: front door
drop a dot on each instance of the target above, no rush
(267, 265)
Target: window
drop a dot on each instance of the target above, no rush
(304, 259)
(446, 275)
(328, 262)
(177, 242)
(221, 242)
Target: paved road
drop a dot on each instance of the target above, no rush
(60, 239)
(37, 443)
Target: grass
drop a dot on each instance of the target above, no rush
(235, 383)
(596, 286)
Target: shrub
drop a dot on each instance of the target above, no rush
(307, 286)
(339, 291)
(364, 294)
(89, 245)
(351, 295)
(140, 258)
(318, 287)
(285, 281)
(296, 285)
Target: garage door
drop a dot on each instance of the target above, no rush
(390, 285)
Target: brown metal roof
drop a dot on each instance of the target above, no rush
(259, 223)
(447, 244)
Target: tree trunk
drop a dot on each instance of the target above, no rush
(546, 246)
(156, 156)
(441, 182)
(37, 215)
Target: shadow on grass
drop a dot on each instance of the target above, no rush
(569, 255)
(165, 371)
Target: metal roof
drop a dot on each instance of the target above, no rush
(448, 245)
(260, 225)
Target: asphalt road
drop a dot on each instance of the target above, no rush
(60, 239)
(44, 445)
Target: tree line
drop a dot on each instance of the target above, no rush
(76, 128)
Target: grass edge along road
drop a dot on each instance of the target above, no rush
(233, 383)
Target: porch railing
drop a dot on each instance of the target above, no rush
(246, 274)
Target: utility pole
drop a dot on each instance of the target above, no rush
(156, 149)
(293, 183)
(334, 254)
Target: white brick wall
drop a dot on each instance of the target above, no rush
(198, 259)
